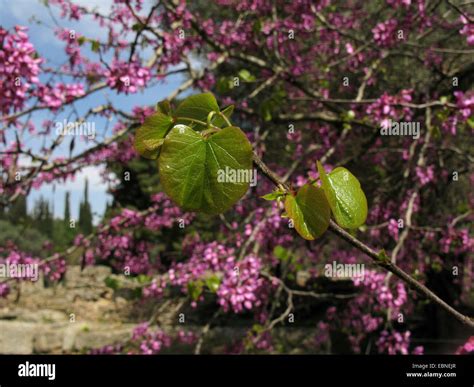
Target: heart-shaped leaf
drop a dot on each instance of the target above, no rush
(196, 107)
(345, 196)
(205, 174)
(309, 211)
(149, 136)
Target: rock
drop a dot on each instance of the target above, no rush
(90, 276)
(49, 339)
(69, 337)
(43, 316)
(32, 287)
(96, 337)
(17, 337)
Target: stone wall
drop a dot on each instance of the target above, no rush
(74, 316)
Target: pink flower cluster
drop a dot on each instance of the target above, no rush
(465, 102)
(119, 245)
(393, 229)
(384, 298)
(240, 287)
(19, 69)
(395, 342)
(150, 342)
(456, 241)
(425, 174)
(4, 290)
(467, 348)
(60, 94)
(72, 49)
(365, 314)
(399, 3)
(467, 30)
(465, 106)
(385, 33)
(53, 269)
(386, 108)
(127, 77)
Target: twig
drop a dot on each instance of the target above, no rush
(385, 263)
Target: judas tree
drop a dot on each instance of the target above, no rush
(355, 117)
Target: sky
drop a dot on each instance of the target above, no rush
(26, 12)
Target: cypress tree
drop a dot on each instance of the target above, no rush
(85, 213)
(67, 209)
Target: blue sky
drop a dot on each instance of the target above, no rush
(25, 12)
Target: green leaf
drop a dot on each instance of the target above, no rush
(95, 46)
(143, 279)
(224, 85)
(281, 253)
(219, 121)
(383, 257)
(275, 195)
(195, 289)
(138, 27)
(196, 107)
(309, 211)
(266, 110)
(112, 283)
(470, 122)
(213, 282)
(196, 172)
(246, 76)
(345, 196)
(149, 136)
(164, 107)
(271, 196)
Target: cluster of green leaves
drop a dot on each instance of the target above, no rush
(192, 144)
(310, 208)
(196, 288)
(196, 140)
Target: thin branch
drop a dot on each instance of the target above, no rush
(385, 263)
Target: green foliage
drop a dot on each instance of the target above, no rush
(345, 196)
(190, 165)
(196, 107)
(198, 146)
(281, 253)
(275, 195)
(25, 238)
(195, 289)
(149, 137)
(42, 217)
(219, 120)
(246, 76)
(112, 283)
(213, 282)
(18, 211)
(85, 212)
(67, 208)
(309, 211)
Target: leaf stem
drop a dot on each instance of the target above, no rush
(198, 122)
(224, 117)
